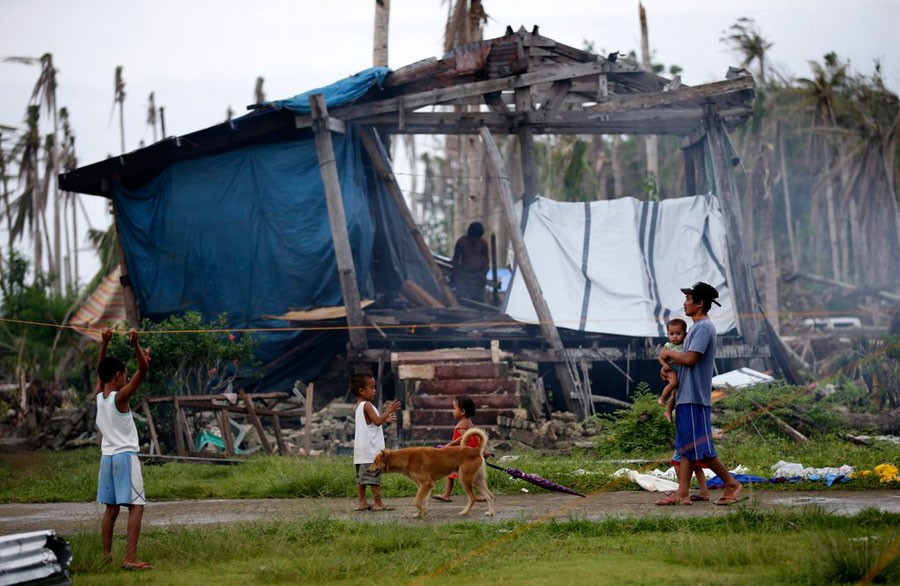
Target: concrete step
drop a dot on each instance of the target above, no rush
(447, 371)
(473, 386)
(442, 434)
(445, 402)
(431, 417)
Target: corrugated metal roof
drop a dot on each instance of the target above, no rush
(36, 555)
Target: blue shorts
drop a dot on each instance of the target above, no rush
(364, 477)
(120, 481)
(693, 432)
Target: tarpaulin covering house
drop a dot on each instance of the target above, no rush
(616, 266)
(233, 218)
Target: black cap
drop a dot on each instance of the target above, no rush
(701, 291)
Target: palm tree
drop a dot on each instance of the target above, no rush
(823, 90)
(29, 206)
(745, 39)
(152, 113)
(380, 41)
(44, 94)
(119, 98)
(465, 21)
(259, 95)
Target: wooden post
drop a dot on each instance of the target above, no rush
(186, 429)
(227, 436)
(548, 328)
(742, 276)
(131, 308)
(179, 437)
(338, 221)
(279, 437)
(254, 419)
(307, 432)
(494, 270)
(378, 154)
(526, 150)
(154, 440)
(651, 139)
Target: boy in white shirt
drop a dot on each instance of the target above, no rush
(369, 439)
(120, 482)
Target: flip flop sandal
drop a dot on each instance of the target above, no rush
(699, 499)
(361, 509)
(384, 508)
(137, 567)
(671, 501)
(442, 499)
(728, 500)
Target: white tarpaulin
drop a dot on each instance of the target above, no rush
(617, 266)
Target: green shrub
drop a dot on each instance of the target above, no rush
(641, 429)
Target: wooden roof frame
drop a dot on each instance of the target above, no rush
(519, 82)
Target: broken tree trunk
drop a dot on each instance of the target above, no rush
(790, 431)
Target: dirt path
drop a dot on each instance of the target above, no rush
(75, 517)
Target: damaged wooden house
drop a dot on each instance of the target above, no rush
(290, 219)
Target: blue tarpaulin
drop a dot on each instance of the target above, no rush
(245, 232)
(337, 94)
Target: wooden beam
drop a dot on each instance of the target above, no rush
(254, 419)
(523, 261)
(132, 315)
(338, 220)
(378, 154)
(451, 94)
(556, 95)
(671, 98)
(742, 287)
(307, 423)
(279, 437)
(180, 448)
(526, 151)
(154, 440)
(652, 121)
(225, 427)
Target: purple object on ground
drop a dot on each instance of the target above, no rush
(536, 480)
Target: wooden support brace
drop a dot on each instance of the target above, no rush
(307, 425)
(548, 328)
(338, 220)
(378, 154)
(254, 419)
(154, 439)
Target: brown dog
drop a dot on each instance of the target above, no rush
(424, 465)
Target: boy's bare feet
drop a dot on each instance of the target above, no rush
(136, 564)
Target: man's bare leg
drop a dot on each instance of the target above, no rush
(732, 486)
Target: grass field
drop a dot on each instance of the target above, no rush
(745, 547)
(71, 476)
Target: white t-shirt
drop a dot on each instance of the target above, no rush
(118, 429)
(369, 438)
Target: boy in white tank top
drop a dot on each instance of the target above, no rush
(120, 482)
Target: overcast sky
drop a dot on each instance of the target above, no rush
(201, 57)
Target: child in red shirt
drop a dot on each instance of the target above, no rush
(463, 411)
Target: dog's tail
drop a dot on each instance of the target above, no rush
(482, 438)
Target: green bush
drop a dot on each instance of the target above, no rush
(641, 429)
